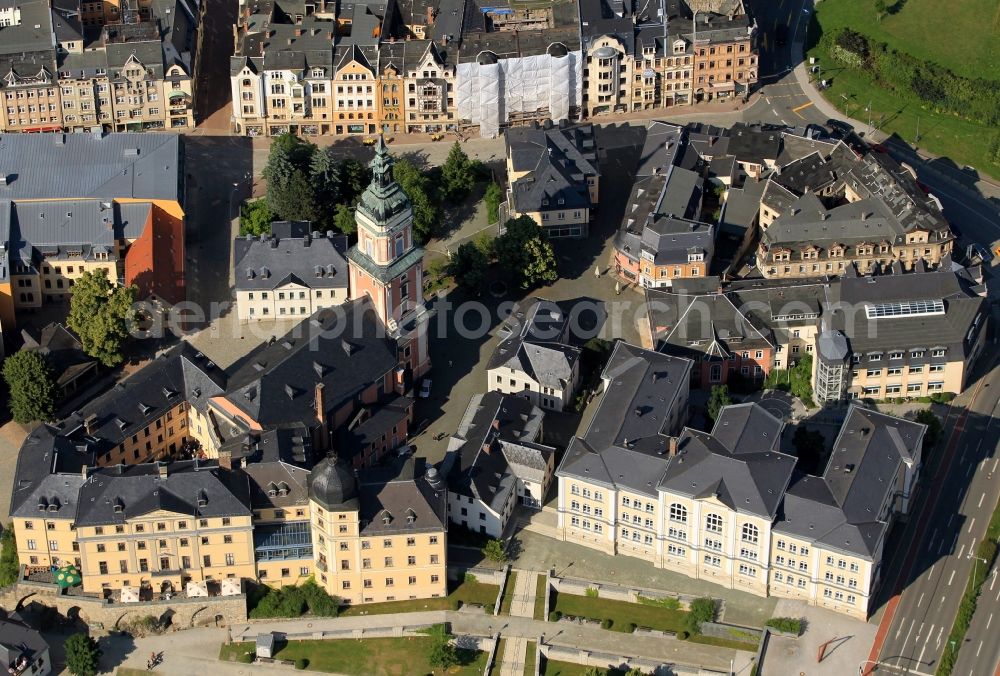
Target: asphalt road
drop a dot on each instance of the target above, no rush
(980, 655)
(957, 497)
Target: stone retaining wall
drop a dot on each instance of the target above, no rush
(104, 615)
(622, 662)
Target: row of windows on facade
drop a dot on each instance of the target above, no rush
(915, 353)
(185, 564)
(911, 388)
(387, 562)
(264, 295)
(389, 582)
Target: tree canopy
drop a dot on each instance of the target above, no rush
(495, 551)
(458, 175)
(82, 655)
(718, 400)
(420, 190)
(468, 267)
(525, 253)
(933, 433)
(101, 314)
(32, 389)
(255, 218)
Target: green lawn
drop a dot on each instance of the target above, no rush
(498, 656)
(724, 642)
(541, 589)
(508, 594)
(125, 671)
(369, 657)
(620, 613)
(529, 659)
(851, 90)
(557, 668)
(476, 593)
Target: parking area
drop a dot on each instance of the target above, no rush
(844, 638)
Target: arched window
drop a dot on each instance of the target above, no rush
(679, 513)
(713, 523)
(750, 533)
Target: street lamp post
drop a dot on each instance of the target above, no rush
(975, 564)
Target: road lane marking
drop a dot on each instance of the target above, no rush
(994, 581)
(981, 498)
(930, 543)
(968, 470)
(951, 577)
(802, 107)
(940, 633)
(988, 620)
(979, 648)
(995, 465)
(950, 519)
(973, 522)
(931, 572)
(960, 550)
(920, 600)
(907, 639)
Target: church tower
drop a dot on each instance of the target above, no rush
(386, 265)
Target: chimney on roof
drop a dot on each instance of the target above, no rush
(298, 32)
(864, 215)
(90, 424)
(83, 471)
(307, 240)
(672, 446)
(320, 402)
(162, 467)
(429, 19)
(496, 423)
(225, 459)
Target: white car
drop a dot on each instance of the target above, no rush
(425, 388)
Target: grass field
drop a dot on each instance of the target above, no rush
(529, 659)
(508, 594)
(370, 657)
(620, 613)
(851, 90)
(557, 668)
(964, 37)
(476, 593)
(540, 590)
(498, 656)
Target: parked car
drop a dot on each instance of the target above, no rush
(425, 388)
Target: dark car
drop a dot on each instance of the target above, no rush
(839, 128)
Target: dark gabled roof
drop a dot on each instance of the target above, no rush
(276, 484)
(344, 348)
(707, 324)
(738, 463)
(399, 498)
(112, 495)
(635, 469)
(558, 161)
(17, 639)
(291, 253)
(753, 144)
(843, 508)
(640, 386)
(381, 419)
(62, 350)
(536, 344)
(489, 417)
(45, 451)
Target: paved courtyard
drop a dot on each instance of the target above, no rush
(849, 642)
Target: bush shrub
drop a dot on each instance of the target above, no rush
(791, 625)
(632, 626)
(606, 623)
(301, 663)
(592, 592)
(702, 610)
(245, 658)
(683, 635)
(555, 616)
(10, 567)
(292, 601)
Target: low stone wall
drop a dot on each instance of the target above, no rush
(622, 662)
(569, 585)
(104, 615)
(503, 585)
(484, 575)
(730, 631)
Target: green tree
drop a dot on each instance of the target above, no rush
(810, 447)
(493, 197)
(881, 9)
(255, 218)
(354, 178)
(100, 314)
(540, 263)
(933, 433)
(9, 565)
(420, 190)
(457, 175)
(524, 252)
(289, 193)
(468, 267)
(443, 653)
(701, 610)
(495, 551)
(343, 219)
(82, 655)
(325, 176)
(486, 243)
(32, 389)
(718, 400)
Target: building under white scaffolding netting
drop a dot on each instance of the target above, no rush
(492, 90)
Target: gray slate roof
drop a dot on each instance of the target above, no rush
(344, 348)
(106, 166)
(291, 254)
(536, 345)
(559, 159)
(402, 493)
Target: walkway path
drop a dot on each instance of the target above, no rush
(513, 657)
(523, 604)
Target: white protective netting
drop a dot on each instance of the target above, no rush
(488, 93)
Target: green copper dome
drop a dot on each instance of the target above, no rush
(384, 197)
